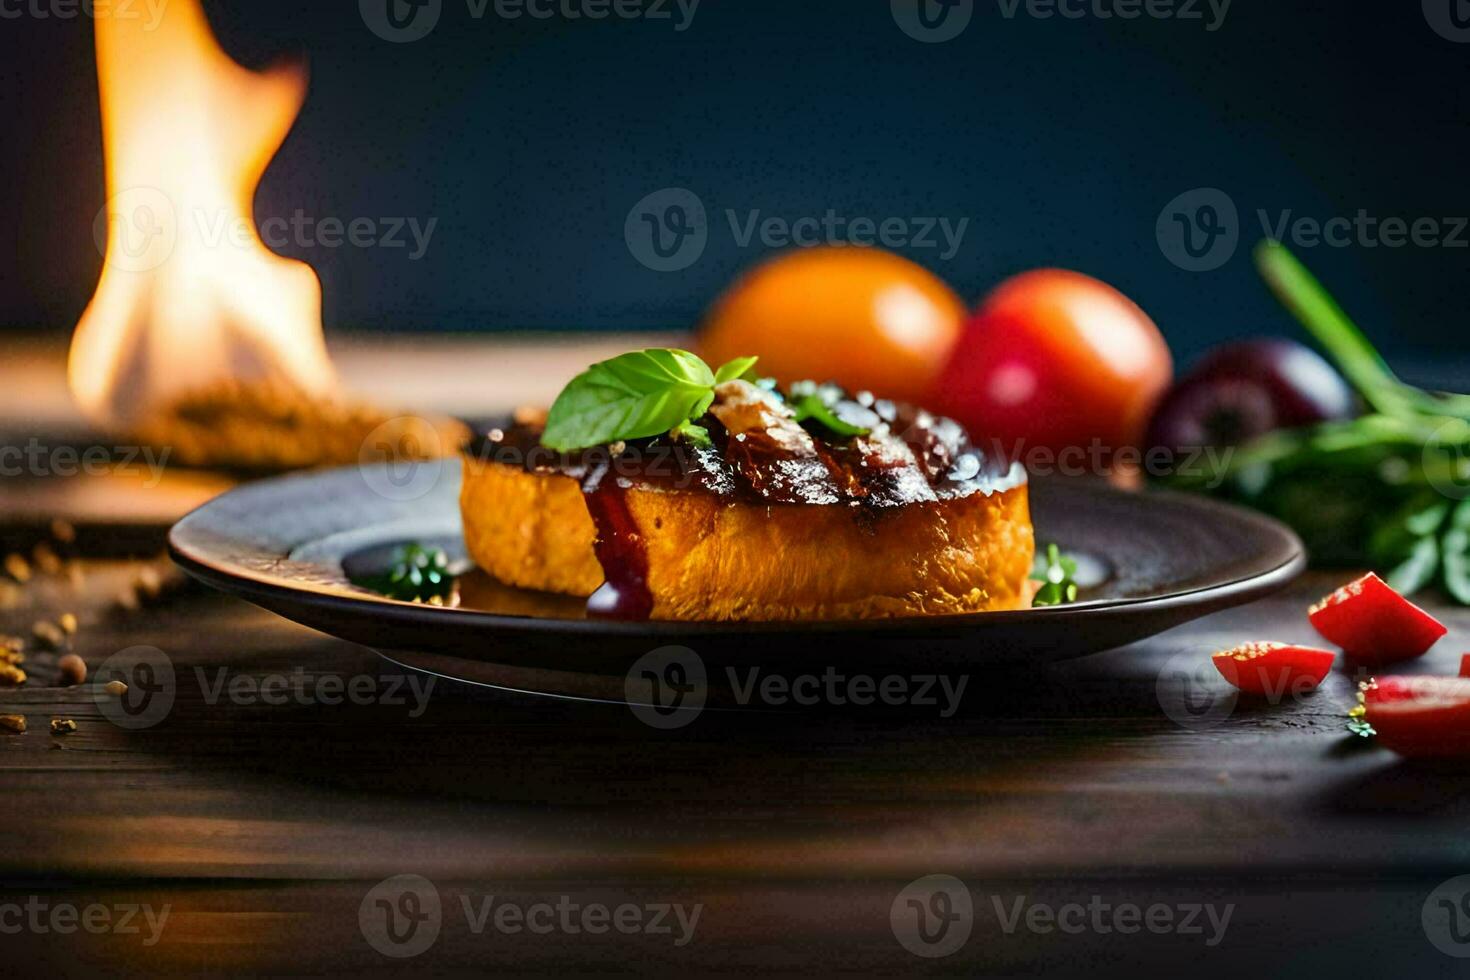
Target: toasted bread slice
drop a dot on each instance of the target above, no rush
(775, 521)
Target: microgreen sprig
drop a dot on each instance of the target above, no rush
(1056, 572)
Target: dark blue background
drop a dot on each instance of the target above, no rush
(1060, 140)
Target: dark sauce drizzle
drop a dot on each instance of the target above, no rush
(620, 549)
(870, 474)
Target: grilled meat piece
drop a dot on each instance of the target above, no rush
(776, 520)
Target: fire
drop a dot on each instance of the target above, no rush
(190, 298)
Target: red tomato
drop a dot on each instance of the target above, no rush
(1057, 359)
(1374, 624)
(1274, 669)
(1465, 665)
(1421, 717)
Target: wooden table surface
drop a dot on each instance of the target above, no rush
(263, 831)
(262, 827)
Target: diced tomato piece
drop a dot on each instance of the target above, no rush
(1465, 665)
(1274, 669)
(1421, 717)
(1374, 624)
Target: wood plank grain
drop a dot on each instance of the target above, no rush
(1070, 769)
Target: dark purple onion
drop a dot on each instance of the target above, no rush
(1244, 390)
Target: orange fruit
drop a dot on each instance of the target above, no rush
(862, 317)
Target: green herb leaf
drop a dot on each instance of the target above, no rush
(1301, 293)
(738, 368)
(810, 400)
(696, 435)
(1056, 572)
(416, 574)
(1455, 554)
(631, 396)
(814, 408)
(1417, 570)
(1356, 357)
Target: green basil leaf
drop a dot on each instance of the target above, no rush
(643, 371)
(631, 396)
(738, 368)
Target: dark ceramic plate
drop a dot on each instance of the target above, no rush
(1149, 562)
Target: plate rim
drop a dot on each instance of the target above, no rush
(252, 584)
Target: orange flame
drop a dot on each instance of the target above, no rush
(190, 296)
